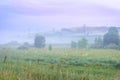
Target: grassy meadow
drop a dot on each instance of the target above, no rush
(59, 64)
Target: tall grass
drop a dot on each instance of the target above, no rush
(59, 64)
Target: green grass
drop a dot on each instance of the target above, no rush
(60, 64)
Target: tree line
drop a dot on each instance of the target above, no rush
(111, 39)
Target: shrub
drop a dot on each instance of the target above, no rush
(112, 46)
(117, 66)
(23, 47)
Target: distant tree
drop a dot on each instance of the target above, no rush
(82, 43)
(39, 41)
(98, 43)
(26, 44)
(73, 44)
(111, 37)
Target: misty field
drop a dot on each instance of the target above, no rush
(59, 64)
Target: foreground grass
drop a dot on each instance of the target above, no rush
(59, 64)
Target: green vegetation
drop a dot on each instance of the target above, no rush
(111, 38)
(59, 64)
(82, 43)
(98, 43)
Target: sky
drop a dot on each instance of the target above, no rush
(23, 17)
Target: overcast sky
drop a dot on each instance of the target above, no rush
(18, 16)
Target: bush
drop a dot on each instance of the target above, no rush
(112, 46)
(23, 47)
(83, 43)
(117, 66)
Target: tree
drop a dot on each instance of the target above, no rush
(82, 43)
(111, 37)
(98, 43)
(73, 44)
(39, 41)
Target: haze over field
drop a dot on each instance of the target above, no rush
(21, 18)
